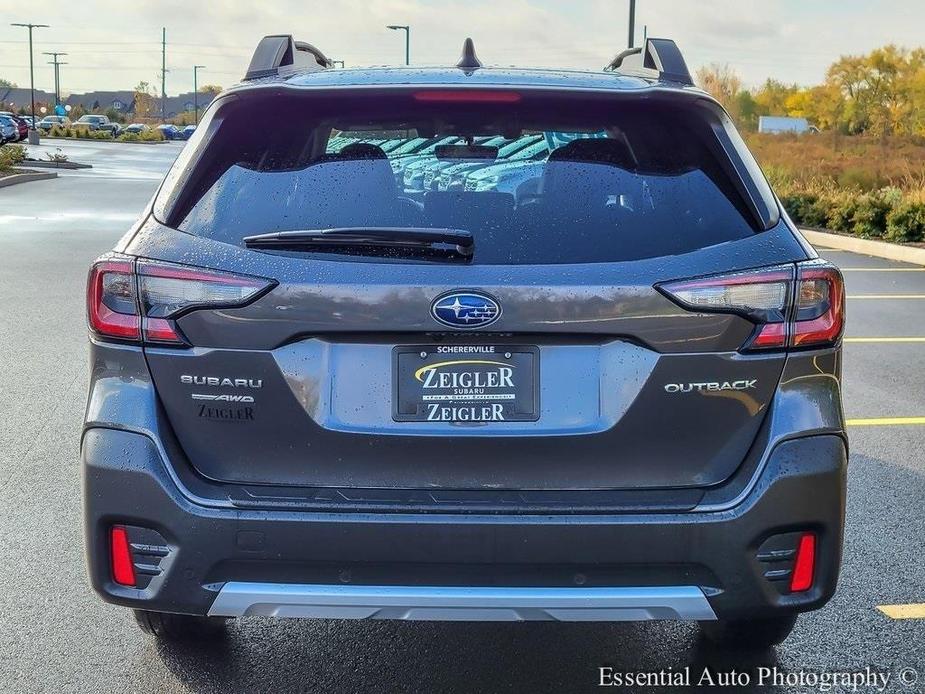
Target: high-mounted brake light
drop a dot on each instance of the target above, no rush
(798, 306)
(480, 96)
(141, 300)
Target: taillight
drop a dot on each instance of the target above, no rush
(141, 300)
(482, 96)
(820, 299)
(167, 291)
(112, 301)
(798, 306)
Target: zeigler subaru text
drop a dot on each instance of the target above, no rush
(602, 383)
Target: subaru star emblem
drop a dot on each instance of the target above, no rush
(465, 310)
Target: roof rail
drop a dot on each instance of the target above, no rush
(659, 58)
(280, 54)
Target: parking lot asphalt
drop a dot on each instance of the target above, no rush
(56, 635)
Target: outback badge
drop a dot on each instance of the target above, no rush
(465, 309)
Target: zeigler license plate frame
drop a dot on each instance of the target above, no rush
(465, 383)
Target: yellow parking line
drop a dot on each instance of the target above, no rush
(884, 421)
(882, 269)
(911, 611)
(883, 339)
(886, 296)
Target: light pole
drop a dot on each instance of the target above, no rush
(407, 30)
(196, 69)
(54, 61)
(31, 69)
(632, 32)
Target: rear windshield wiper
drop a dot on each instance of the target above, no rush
(380, 241)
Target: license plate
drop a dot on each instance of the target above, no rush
(465, 383)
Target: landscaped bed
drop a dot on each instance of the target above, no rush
(871, 187)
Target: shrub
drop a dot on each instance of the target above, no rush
(807, 208)
(906, 221)
(149, 136)
(11, 155)
(840, 214)
(871, 210)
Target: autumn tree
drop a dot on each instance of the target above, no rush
(723, 84)
(145, 104)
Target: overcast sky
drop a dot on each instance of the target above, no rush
(115, 44)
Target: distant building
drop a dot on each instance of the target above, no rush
(784, 124)
(122, 101)
(14, 98)
(183, 103)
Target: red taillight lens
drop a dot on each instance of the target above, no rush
(112, 302)
(762, 296)
(123, 569)
(804, 566)
(140, 300)
(480, 96)
(167, 291)
(801, 311)
(820, 301)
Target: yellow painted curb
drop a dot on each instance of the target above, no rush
(884, 421)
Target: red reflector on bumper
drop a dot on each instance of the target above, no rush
(804, 567)
(123, 570)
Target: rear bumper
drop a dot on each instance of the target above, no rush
(688, 565)
(459, 603)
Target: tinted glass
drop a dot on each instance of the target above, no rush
(543, 178)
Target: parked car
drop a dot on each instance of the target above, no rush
(413, 167)
(618, 398)
(94, 122)
(398, 163)
(49, 122)
(9, 130)
(187, 132)
(433, 171)
(22, 125)
(170, 131)
(450, 176)
(137, 128)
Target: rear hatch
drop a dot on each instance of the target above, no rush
(476, 340)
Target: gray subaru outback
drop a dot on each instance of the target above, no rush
(603, 383)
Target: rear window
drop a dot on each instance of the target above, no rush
(534, 177)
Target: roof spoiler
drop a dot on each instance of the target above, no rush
(659, 59)
(281, 54)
